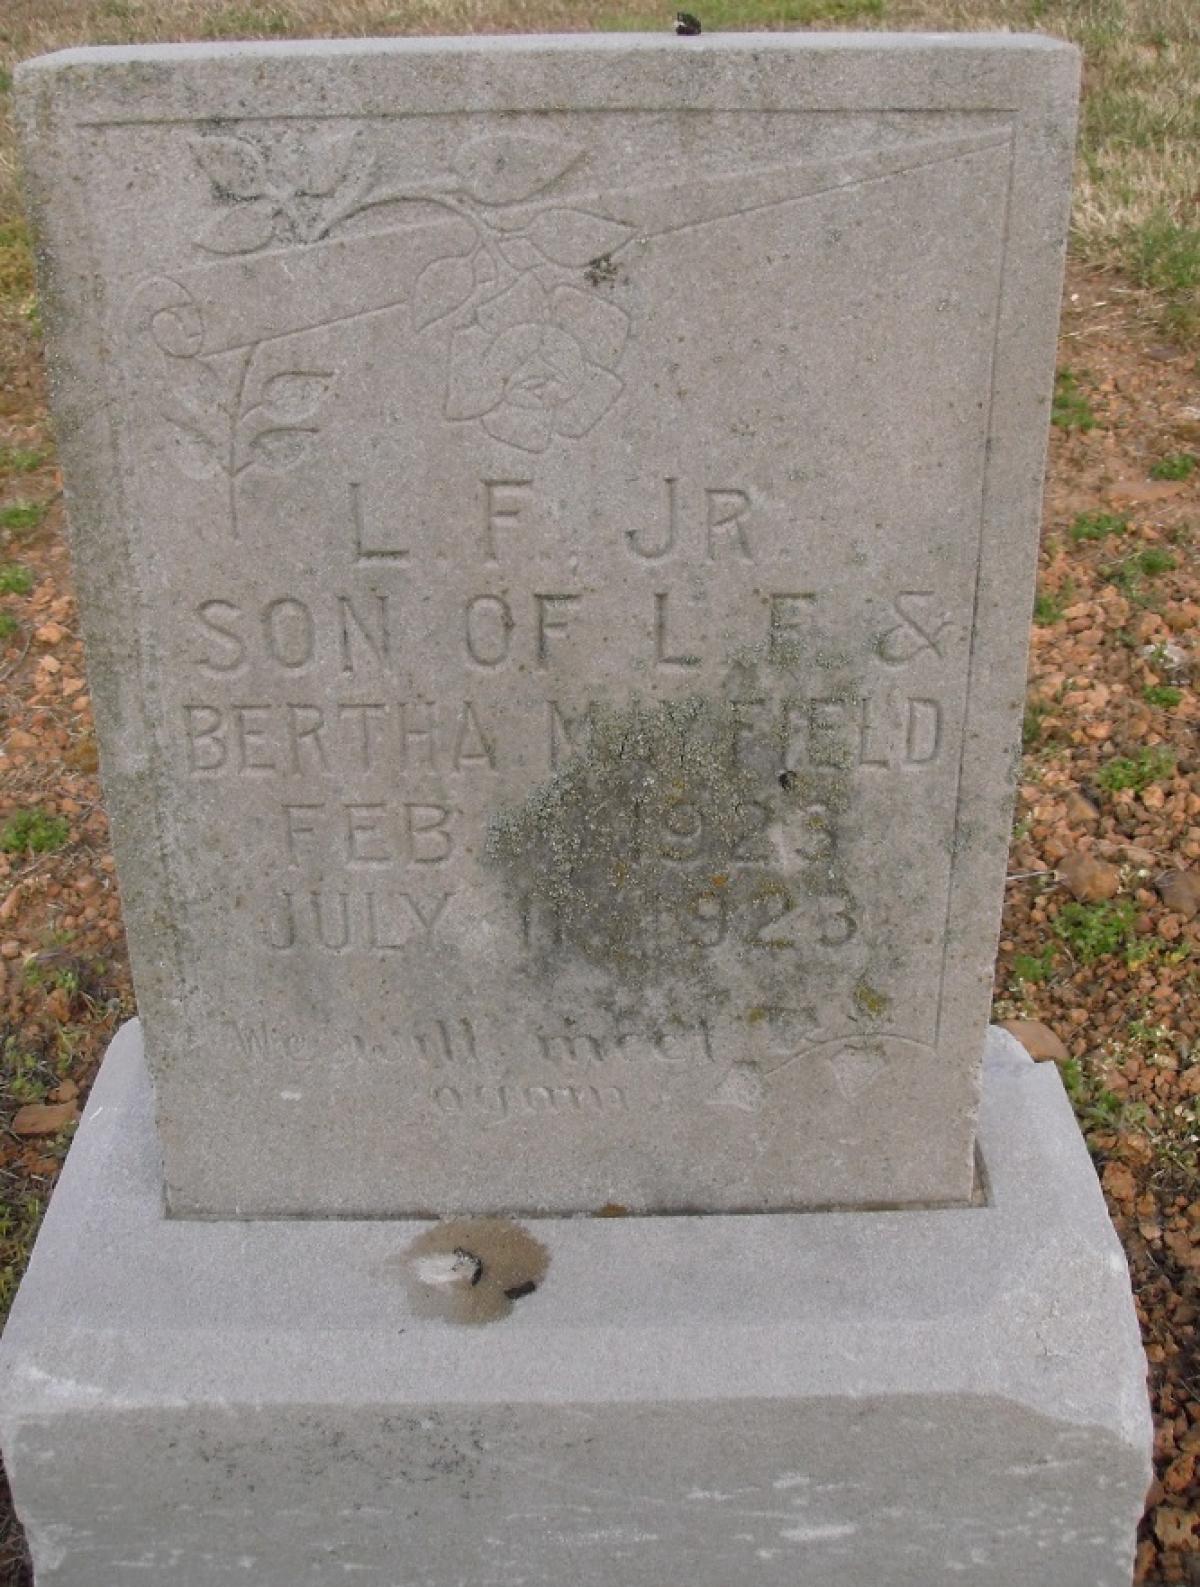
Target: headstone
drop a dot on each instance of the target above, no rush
(556, 526)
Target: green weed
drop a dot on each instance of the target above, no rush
(15, 579)
(21, 459)
(19, 1220)
(1096, 525)
(1070, 409)
(33, 832)
(1153, 561)
(1163, 255)
(1034, 968)
(8, 625)
(1049, 605)
(1178, 465)
(1093, 931)
(16, 260)
(1096, 1106)
(1137, 772)
(23, 514)
(1163, 695)
(1032, 723)
(1128, 574)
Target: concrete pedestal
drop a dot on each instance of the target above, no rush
(879, 1399)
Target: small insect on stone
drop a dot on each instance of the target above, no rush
(686, 25)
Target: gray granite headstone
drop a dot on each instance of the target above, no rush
(556, 524)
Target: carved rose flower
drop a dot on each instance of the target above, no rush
(535, 364)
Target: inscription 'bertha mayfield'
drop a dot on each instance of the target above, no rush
(556, 543)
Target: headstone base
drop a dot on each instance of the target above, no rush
(860, 1399)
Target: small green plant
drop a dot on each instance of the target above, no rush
(1032, 723)
(24, 1077)
(1050, 605)
(1069, 408)
(1093, 931)
(62, 977)
(1033, 968)
(1153, 561)
(23, 515)
(33, 832)
(1128, 575)
(19, 1220)
(1179, 465)
(20, 459)
(1137, 771)
(8, 626)
(1097, 525)
(1164, 255)
(1163, 695)
(15, 579)
(16, 260)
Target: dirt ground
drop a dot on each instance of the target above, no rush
(1102, 918)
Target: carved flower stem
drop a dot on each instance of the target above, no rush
(231, 468)
(443, 198)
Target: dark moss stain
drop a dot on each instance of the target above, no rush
(601, 271)
(674, 848)
(870, 1001)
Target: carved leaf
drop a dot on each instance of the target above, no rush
(283, 448)
(441, 288)
(200, 390)
(234, 166)
(521, 255)
(573, 237)
(241, 229)
(297, 394)
(507, 168)
(194, 454)
(335, 159)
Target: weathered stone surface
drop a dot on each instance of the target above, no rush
(918, 1399)
(556, 521)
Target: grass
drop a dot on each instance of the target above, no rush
(1070, 409)
(8, 625)
(21, 460)
(1164, 695)
(19, 1220)
(1097, 526)
(1178, 466)
(1033, 968)
(1094, 931)
(1032, 723)
(1128, 574)
(1138, 771)
(1050, 605)
(33, 832)
(23, 515)
(15, 579)
(1097, 1107)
